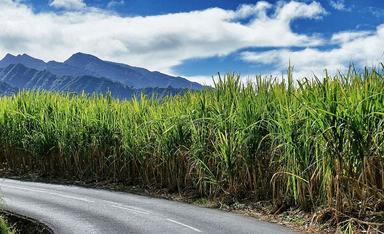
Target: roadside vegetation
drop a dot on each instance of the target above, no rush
(317, 144)
(4, 227)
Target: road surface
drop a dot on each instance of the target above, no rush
(71, 209)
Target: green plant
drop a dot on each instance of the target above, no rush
(311, 143)
(4, 227)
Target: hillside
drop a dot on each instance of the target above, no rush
(6, 89)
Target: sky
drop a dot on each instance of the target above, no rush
(200, 38)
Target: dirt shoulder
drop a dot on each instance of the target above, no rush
(24, 225)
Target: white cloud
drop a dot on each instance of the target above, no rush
(68, 4)
(244, 78)
(377, 12)
(204, 80)
(292, 10)
(115, 3)
(259, 9)
(156, 42)
(343, 37)
(360, 48)
(338, 5)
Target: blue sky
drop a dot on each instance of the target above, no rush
(199, 38)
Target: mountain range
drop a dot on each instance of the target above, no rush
(86, 73)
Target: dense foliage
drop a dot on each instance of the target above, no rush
(312, 143)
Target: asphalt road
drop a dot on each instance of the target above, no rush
(71, 209)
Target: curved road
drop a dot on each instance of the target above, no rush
(71, 209)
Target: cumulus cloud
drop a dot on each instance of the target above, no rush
(157, 42)
(68, 4)
(360, 48)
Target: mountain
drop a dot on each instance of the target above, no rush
(22, 77)
(24, 59)
(6, 89)
(81, 64)
(133, 76)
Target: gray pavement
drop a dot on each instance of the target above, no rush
(72, 209)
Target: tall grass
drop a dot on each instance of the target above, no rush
(318, 142)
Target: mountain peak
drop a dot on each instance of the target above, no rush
(84, 55)
(24, 59)
(81, 59)
(25, 56)
(8, 56)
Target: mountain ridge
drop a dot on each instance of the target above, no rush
(19, 77)
(81, 64)
(24, 59)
